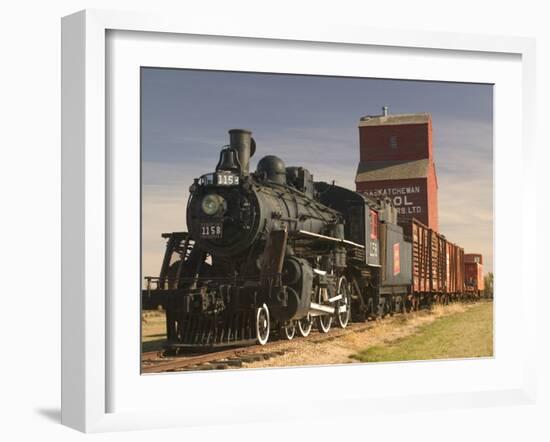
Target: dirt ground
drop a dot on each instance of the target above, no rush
(153, 329)
(299, 352)
(339, 351)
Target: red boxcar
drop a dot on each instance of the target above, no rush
(425, 253)
(473, 257)
(455, 269)
(437, 264)
(475, 285)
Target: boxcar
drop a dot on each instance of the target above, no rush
(473, 276)
(474, 257)
(455, 270)
(437, 264)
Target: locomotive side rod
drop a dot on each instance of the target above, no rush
(330, 238)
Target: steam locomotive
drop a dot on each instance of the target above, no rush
(272, 252)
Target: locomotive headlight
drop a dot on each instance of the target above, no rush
(212, 204)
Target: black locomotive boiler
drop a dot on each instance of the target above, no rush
(272, 252)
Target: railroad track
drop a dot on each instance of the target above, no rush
(154, 362)
(235, 357)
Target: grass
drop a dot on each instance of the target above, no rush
(153, 329)
(461, 335)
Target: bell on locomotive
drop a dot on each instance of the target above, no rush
(235, 157)
(263, 254)
(234, 160)
(219, 211)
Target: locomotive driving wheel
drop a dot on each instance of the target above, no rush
(323, 321)
(288, 330)
(343, 307)
(304, 326)
(262, 324)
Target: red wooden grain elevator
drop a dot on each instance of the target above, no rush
(396, 160)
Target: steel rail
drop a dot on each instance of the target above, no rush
(183, 362)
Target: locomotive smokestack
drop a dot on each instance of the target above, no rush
(244, 145)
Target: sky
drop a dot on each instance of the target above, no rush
(308, 121)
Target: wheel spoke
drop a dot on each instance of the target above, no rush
(262, 324)
(343, 311)
(323, 322)
(288, 330)
(304, 326)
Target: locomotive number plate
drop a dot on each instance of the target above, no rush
(211, 230)
(227, 179)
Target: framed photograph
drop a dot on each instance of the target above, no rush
(392, 220)
(252, 214)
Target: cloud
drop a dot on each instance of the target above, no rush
(464, 169)
(466, 216)
(464, 163)
(163, 210)
(311, 122)
(463, 154)
(164, 204)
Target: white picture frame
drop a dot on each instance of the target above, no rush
(90, 172)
